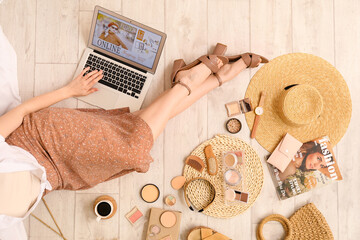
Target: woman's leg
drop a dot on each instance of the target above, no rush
(209, 84)
(158, 113)
(175, 100)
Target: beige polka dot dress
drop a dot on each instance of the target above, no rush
(80, 148)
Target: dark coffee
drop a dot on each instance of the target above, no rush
(103, 209)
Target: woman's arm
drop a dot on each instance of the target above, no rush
(80, 86)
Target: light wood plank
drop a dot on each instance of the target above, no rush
(21, 34)
(271, 28)
(187, 38)
(53, 76)
(85, 19)
(232, 22)
(89, 5)
(270, 34)
(313, 32)
(61, 205)
(133, 182)
(111, 186)
(347, 29)
(57, 31)
(85, 219)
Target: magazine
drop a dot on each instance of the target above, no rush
(313, 166)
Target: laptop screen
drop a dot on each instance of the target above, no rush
(126, 40)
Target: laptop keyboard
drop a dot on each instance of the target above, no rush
(119, 78)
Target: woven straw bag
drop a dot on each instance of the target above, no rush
(306, 223)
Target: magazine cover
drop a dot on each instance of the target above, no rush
(313, 166)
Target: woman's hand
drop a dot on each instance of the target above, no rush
(83, 85)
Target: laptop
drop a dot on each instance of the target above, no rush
(128, 52)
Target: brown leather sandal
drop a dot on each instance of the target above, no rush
(251, 60)
(209, 60)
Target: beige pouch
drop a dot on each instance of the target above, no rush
(284, 152)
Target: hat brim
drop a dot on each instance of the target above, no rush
(299, 68)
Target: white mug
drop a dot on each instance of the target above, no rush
(101, 215)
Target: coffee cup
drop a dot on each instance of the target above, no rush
(104, 207)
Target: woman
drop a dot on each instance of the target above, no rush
(109, 35)
(309, 158)
(56, 148)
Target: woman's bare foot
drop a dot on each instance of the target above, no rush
(231, 70)
(195, 76)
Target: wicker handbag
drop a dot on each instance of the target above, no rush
(306, 223)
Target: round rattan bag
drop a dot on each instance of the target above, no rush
(307, 223)
(200, 194)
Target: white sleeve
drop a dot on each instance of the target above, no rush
(16, 232)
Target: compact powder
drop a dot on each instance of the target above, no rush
(232, 177)
(168, 219)
(178, 182)
(233, 125)
(233, 108)
(170, 200)
(230, 195)
(230, 160)
(150, 193)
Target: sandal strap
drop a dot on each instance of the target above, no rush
(251, 59)
(185, 85)
(219, 79)
(210, 61)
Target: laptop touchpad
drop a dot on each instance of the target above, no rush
(104, 97)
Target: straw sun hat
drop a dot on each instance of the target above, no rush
(305, 96)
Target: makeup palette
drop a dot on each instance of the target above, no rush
(134, 215)
(234, 182)
(232, 195)
(238, 107)
(163, 224)
(150, 193)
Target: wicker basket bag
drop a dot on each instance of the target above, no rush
(306, 224)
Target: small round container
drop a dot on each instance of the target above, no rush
(233, 125)
(170, 200)
(230, 160)
(232, 177)
(150, 193)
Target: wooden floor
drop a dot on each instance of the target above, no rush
(50, 36)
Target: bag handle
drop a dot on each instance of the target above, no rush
(279, 218)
